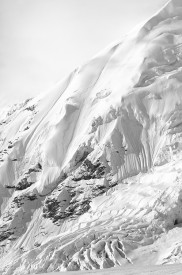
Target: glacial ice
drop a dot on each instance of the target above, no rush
(90, 173)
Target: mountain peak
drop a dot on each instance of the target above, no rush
(170, 10)
(91, 174)
(175, 3)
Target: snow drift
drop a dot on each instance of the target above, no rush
(90, 173)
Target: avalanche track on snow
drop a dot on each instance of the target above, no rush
(91, 172)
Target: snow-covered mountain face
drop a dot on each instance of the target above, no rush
(91, 173)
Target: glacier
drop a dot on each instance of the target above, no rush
(91, 172)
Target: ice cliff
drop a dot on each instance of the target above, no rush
(91, 172)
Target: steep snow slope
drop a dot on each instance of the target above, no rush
(91, 173)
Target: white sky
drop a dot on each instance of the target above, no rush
(43, 40)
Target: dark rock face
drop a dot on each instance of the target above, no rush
(88, 171)
(4, 235)
(25, 182)
(52, 209)
(79, 203)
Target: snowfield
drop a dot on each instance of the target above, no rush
(91, 173)
(174, 269)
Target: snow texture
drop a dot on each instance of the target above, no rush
(91, 173)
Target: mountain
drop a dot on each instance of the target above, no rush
(91, 172)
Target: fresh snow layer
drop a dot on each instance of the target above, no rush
(91, 173)
(130, 270)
